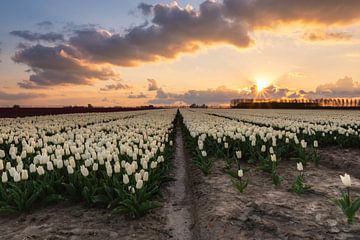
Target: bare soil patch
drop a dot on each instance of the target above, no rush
(264, 211)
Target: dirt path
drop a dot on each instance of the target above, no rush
(179, 209)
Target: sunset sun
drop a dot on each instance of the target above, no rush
(262, 83)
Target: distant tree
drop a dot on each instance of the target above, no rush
(16, 106)
(90, 106)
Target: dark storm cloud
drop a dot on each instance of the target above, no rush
(58, 65)
(152, 85)
(114, 87)
(33, 37)
(138, 96)
(4, 96)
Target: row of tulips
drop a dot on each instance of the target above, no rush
(221, 134)
(334, 131)
(117, 161)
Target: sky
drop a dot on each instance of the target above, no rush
(130, 52)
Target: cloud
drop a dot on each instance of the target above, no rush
(171, 30)
(219, 95)
(59, 65)
(5, 96)
(326, 36)
(342, 88)
(45, 24)
(270, 13)
(209, 96)
(152, 85)
(145, 8)
(34, 37)
(113, 87)
(138, 96)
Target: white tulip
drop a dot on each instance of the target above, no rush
(203, 153)
(4, 177)
(95, 167)
(24, 175)
(316, 144)
(299, 166)
(17, 177)
(139, 184)
(32, 168)
(240, 173)
(273, 158)
(2, 154)
(84, 171)
(145, 176)
(125, 179)
(346, 180)
(49, 166)
(1, 165)
(69, 169)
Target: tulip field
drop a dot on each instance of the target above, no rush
(111, 160)
(245, 174)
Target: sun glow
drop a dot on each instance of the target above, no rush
(262, 83)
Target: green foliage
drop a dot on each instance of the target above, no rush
(205, 164)
(299, 186)
(348, 206)
(240, 184)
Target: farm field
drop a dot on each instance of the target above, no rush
(181, 174)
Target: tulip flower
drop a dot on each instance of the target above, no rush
(125, 179)
(346, 180)
(4, 177)
(299, 167)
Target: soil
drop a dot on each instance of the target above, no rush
(199, 207)
(264, 211)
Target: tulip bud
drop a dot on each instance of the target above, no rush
(1, 165)
(316, 144)
(273, 158)
(49, 166)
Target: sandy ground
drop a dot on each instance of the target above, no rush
(198, 207)
(264, 211)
